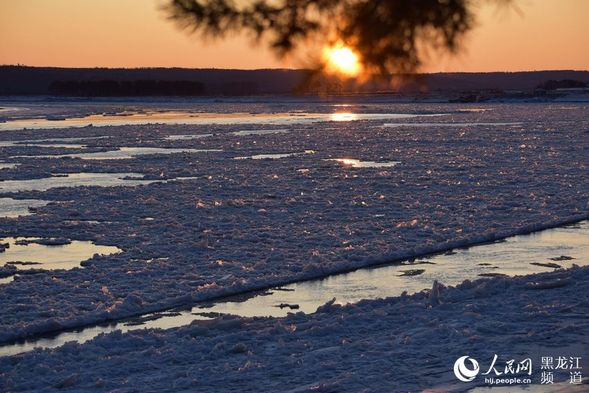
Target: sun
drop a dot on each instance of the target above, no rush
(342, 60)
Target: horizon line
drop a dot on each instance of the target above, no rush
(279, 69)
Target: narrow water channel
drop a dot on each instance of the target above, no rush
(518, 255)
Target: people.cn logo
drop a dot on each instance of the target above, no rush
(464, 373)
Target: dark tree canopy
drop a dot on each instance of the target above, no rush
(562, 84)
(388, 35)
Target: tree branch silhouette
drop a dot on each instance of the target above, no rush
(388, 35)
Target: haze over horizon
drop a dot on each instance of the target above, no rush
(538, 35)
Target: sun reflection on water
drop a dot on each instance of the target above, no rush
(344, 116)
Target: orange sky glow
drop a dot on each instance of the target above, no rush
(542, 35)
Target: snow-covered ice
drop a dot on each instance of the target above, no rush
(236, 225)
(394, 344)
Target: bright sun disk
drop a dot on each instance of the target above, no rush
(341, 59)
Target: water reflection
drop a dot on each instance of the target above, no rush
(74, 180)
(10, 108)
(161, 321)
(344, 116)
(68, 139)
(11, 208)
(6, 280)
(179, 117)
(275, 156)
(260, 132)
(474, 110)
(40, 143)
(59, 145)
(454, 124)
(514, 256)
(351, 162)
(352, 116)
(49, 257)
(124, 153)
(184, 137)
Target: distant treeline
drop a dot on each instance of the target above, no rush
(113, 88)
(562, 84)
(23, 80)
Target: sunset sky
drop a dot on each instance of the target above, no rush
(540, 34)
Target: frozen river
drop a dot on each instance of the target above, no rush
(174, 205)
